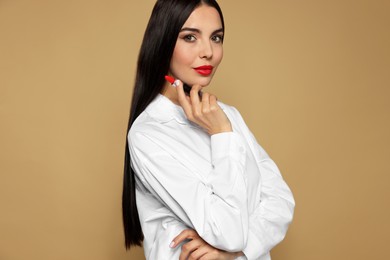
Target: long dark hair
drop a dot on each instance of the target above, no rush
(165, 23)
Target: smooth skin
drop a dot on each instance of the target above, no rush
(199, 43)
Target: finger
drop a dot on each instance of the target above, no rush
(188, 248)
(206, 103)
(201, 251)
(183, 99)
(213, 103)
(213, 255)
(195, 94)
(195, 101)
(185, 234)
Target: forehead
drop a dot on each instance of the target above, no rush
(204, 16)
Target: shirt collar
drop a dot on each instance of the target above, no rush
(163, 110)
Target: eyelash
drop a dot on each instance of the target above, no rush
(192, 38)
(219, 37)
(189, 38)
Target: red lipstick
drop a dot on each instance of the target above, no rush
(205, 70)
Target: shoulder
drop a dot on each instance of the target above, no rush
(159, 122)
(155, 115)
(145, 126)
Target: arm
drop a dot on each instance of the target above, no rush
(216, 207)
(269, 222)
(197, 248)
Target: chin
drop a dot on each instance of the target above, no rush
(204, 82)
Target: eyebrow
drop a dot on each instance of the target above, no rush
(198, 31)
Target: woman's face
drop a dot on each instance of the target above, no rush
(198, 49)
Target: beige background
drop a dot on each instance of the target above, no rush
(311, 78)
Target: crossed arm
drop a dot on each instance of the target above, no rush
(224, 229)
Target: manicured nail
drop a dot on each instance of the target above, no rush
(172, 244)
(170, 79)
(176, 83)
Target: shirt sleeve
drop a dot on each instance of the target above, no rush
(269, 222)
(215, 208)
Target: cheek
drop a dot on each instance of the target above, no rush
(181, 56)
(218, 55)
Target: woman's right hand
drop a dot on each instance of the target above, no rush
(204, 112)
(197, 248)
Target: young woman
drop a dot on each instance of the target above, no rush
(197, 185)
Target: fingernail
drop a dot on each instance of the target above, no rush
(176, 83)
(172, 244)
(170, 79)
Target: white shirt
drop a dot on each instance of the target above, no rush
(224, 186)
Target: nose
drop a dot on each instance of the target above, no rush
(206, 50)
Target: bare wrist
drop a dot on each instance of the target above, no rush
(224, 129)
(238, 254)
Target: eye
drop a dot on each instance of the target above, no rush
(189, 38)
(217, 38)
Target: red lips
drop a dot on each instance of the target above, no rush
(205, 70)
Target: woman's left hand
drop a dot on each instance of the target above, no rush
(197, 248)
